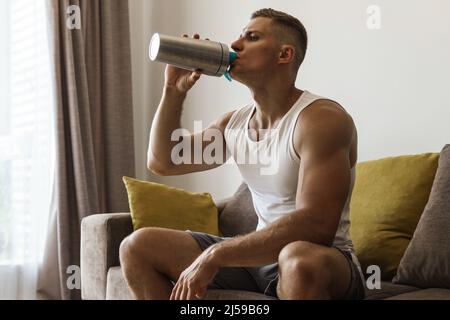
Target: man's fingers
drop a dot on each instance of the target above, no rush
(176, 291)
(172, 294)
(183, 293)
(193, 78)
(190, 294)
(195, 36)
(195, 75)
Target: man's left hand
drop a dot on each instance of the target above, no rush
(193, 281)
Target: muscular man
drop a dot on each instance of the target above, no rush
(301, 248)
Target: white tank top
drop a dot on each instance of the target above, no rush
(270, 167)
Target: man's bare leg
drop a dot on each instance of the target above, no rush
(153, 257)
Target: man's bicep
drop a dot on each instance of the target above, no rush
(326, 135)
(323, 181)
(323, 190)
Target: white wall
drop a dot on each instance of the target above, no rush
(394, 81)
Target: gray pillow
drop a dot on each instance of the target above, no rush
(426, 262)
(238, 216)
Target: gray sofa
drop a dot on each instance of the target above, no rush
(101, 274)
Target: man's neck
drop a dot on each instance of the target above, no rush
(273, 103)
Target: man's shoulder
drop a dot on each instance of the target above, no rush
(324, 121)
(325, 105)
(324, 112)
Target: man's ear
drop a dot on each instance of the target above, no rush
(287, 54)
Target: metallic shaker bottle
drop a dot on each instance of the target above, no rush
(212, 58)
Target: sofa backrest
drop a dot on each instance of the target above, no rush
(238, 216)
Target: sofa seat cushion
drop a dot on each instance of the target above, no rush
(424, 294)
(387, 290)
(116, 285)
(214, 294)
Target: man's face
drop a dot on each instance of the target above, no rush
(257, 49)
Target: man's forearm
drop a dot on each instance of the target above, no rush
(263, 247)
(165, 122)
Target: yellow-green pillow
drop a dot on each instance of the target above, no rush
(157, 205)
(387, 201)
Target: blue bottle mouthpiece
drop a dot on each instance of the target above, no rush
(233, 56)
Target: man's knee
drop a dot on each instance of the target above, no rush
(134, 245)
(303, 261)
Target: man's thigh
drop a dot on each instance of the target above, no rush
(168, 251)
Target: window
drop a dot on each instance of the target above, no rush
(26, 143)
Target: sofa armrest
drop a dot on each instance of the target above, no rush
(101, 235)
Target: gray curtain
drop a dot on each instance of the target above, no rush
(94, 129)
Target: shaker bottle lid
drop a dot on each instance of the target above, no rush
(233, 56)
(154, 46)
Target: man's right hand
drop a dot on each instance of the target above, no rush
(180, 79)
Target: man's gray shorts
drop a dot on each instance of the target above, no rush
(265, 279)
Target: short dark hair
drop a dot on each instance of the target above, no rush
(296, 32)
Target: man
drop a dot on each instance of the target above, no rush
(301, 248)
